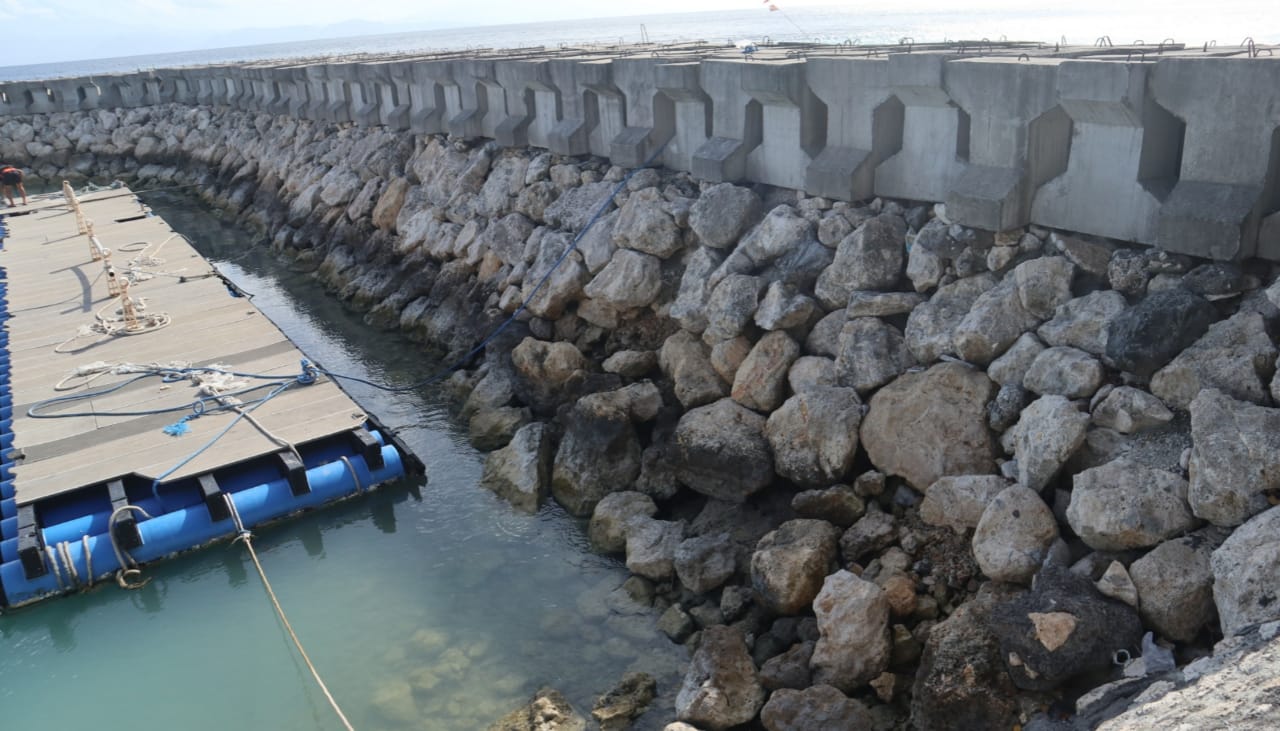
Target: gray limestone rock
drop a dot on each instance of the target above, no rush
(644, 225)
(810, 371)
(564, 285)
(814, 435)
(1083, 322)
(722, 213)
(1127, 272)
(929, 424)
(761, 380)
(931, 326)
(520, 472)
(608, 528)
(1090, 254)
(1117, 584)
(1235, 458)
(631, 363)
(1175, 584)
(870, 258)
(492, 429)
(853, 624)
(1246, 574)
(1064, 371)
(630, 279)
(1050, 431)
(1236, 356)
(1013, 536)
(824, 337)
(721, 688)
(1025, 297)
(727, 357)
(1123, 505)
(689, 307)
(651, 547)
(872, 353)
(790, 563)
(838, 505)
(1129, 410)
(779, 232)
(731, 306)
(721, 451)
(686, 360)
(704, 563)
(882, 304)
(783, 307)
(875, 531)
(1011, 368)
(959, 501)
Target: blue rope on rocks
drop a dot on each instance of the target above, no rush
(573, 245)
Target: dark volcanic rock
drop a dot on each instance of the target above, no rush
(1145, 337)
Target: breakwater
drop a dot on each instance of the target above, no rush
(869, 463)
(1160, 145)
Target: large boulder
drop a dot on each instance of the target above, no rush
(651, 547)
(722, 213)
(818, 707)
(1235, 458)
(779, 232)
(814, 435)
(564, 278)
(1235, 356)
(520, 472)
(1246, 574)
(1145, 337)
(1063, 628)
(925, 425)
(790, 563)
(870, 258)
(784, 307)
(689, 307)
(704, 563)
(721, 451)
(599, 454)
(721, 689)
(625, 702)
(761, 379)
(544, 368)
(1124, 505)
(1129, 410)
(548, 711)
(1084, 321)
(1014, 535)
(1175, 584)
(731, 306)
(853, 625)
(1064, 371)
(872, 353)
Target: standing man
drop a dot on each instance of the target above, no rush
(9, 177)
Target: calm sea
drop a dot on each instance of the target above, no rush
(1227, 23)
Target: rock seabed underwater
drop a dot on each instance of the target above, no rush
(874, 470)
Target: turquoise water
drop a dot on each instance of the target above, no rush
(426, 605)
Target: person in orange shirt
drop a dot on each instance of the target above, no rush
(10, 177)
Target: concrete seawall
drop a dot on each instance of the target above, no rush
(1165, 146)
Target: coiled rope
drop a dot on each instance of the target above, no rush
(243, 535)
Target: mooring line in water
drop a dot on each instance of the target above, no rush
(246, 537)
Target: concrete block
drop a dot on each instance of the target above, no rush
(476, 102)
(427, 84)
(603, 104)
(1269, 238)
(28, 98)
(71, 95)
(570, 135)
(863, 125)
(1229, 177)
(791, 121)
(298, 92)
(679, 83)
(363, 89)
(935, 132)
(1123, 154)
(317, 102)
(175, 88)
(382, 95)
(734, 132)
(339, 80)
(532, 103)
(650, 114)
(1019, 138)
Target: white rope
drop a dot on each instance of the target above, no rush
(128, 572)
(88, 559)
(64, 550)
(246, 537)
(267, 433)
(52, 553)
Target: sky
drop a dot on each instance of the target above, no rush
(39, 31)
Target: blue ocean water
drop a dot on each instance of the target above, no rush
(1082, 22)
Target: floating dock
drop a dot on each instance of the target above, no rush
(147, 407)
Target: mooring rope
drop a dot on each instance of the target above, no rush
(246, 537)
(88, 560)
(128, 567)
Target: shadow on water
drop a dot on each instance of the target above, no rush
(425, 605)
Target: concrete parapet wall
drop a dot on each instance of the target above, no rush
(1182, 151)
